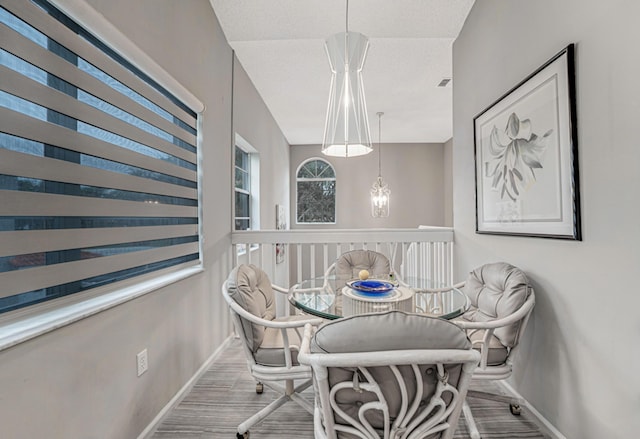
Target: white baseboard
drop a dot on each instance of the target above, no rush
(151, 428)
(547, 427)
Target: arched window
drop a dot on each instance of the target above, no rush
(315, 192)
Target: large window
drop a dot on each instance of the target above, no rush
(98, 163)
(316, 192)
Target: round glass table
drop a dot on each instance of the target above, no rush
(332, 298)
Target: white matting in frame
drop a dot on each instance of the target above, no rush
(526, 156)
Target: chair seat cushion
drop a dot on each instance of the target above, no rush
(497, 354)
(271, 350)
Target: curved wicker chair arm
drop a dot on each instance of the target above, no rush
(443, 289)
(313, 289)
(279, 289)
(329, 269)
(489, 327)
(368, 359)
(401, 282)
(373, 359)
(306, 339)
(326, 275)
(521, 313)
(268, 323)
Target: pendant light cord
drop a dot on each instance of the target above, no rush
(379, 145)
(346, 25)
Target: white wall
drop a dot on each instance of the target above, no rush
(581, 357)
(414, 172)
(80, 380)
(253, 121)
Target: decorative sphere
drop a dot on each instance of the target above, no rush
(363, 275)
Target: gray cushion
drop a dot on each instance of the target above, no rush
(391, 330)
(251, 288)
(349, 265)
(497, 353)
(497, 290)
(271, 352)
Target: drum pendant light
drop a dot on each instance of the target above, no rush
(346, 130)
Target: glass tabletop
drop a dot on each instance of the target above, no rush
(331, 298)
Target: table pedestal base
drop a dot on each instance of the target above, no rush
(353, 303)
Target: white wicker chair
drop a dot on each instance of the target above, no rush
(388, 375)
(271, 344)
(502, 300)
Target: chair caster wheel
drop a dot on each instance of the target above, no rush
(516, 410)
(242, 436)
(259, 388)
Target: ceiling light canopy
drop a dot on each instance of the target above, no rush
(346, 130)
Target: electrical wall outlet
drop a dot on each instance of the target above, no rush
(143, 362)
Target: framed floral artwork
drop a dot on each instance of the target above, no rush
(526, 156)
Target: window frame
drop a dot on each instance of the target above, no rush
(254, 183)
(254, 190)
(335, 192)
(31, 321)
(242, 190)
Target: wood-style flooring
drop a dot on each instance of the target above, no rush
(225, 395)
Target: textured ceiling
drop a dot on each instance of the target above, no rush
(280, 43)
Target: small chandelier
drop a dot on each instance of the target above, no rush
(346, 129)
(380, 192)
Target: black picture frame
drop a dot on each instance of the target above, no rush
(526, 156)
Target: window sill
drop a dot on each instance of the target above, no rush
(27, 328)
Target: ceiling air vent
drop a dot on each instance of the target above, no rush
(444, 82)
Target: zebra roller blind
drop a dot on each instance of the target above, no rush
(98, 163)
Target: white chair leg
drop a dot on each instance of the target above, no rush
(303, 386)
(253, 420)
(295, 396)
(471, 423)
(318, 429)
(290, 394)
(302, 402)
